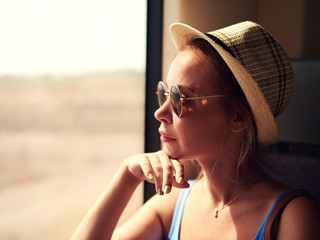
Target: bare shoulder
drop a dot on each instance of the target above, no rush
(152, 220)
(300, 220)
(163, 207)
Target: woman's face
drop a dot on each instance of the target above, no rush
(204, 125)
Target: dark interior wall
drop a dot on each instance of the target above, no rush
(207, 15)
(311, 31)
(294, 23)
(299, 123)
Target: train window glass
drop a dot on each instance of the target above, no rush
(72, 85)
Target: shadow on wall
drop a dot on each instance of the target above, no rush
(296, 158)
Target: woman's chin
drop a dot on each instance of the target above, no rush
(172, 153)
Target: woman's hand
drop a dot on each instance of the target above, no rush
(158, 168)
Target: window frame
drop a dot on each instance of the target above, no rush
(153, 75)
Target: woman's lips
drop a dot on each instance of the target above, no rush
(166, 138)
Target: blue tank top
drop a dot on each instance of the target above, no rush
(178, 211)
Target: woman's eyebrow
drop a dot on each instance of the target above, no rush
(183, 87)
(187, 88)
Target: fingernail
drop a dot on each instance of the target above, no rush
(180, 180)
(160, 191)
(167, 189)
(150, 176)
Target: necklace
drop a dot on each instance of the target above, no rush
(216, 210)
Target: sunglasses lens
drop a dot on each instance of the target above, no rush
(175, 100)
(160, 94)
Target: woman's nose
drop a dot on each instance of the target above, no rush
(164, 112)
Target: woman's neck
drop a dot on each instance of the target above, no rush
(222, 184)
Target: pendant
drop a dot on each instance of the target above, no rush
(216, 212)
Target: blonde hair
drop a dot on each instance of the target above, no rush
(236, 100)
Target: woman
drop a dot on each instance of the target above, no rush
(217, 107)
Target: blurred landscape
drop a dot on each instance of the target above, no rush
(61, 141)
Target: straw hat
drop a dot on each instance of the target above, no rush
(258, 62)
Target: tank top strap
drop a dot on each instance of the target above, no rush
(178, 211)
(260, 233)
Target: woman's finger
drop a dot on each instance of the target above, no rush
(157, 171)
(147, 168)
(179, 180)
(168, 172)
(179, 171)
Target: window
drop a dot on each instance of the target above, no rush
(71, 108)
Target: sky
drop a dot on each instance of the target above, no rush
(71, 36)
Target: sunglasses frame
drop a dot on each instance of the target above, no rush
(181, 99)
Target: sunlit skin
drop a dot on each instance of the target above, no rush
(212, 136)
(204, 127)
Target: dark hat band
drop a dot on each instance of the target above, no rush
(218, 41)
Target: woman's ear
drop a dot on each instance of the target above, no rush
(238, 123)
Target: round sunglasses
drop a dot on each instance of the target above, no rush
(176, 99)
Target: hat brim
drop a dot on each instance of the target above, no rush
(267, 130)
